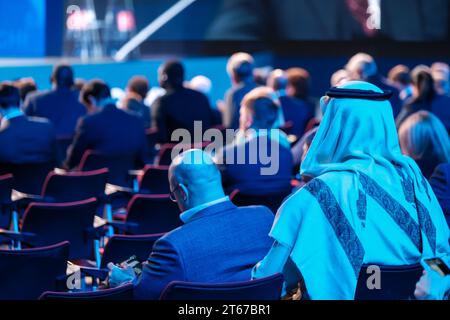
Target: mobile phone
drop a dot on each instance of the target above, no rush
(134, 263)
(436, 264)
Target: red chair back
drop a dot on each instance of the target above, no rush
(55, 222)
(155, 180)
(123, 292)
(26, 274)
(74, 186)
(153, 214)
(6, 184)
(122, 247)
(262, 289)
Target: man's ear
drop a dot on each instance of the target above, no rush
(185, 192)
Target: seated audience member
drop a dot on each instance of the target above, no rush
(204, 85)
(201, 84)
(362, 67)
(424, 138)
(425, 98)
(361, 205)
(109, 131)
(339, 78)
(25, 86)
(179, 107)
(218, 242)
(295, 112)
(441, 75)
(60, 105)
(240, 70)
(259, 162)
(433, 286)
(440, 182)
(400, 77)
(137, 90)
(23, 140)
(298, 86)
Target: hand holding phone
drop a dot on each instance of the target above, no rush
(436, 264)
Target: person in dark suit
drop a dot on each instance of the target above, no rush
(109, 131)
(240, 70)
(180, 107)
(295, 111)
(404, 20)
(23, 140)
(363, 67)
(60, 105)
(218, 242)
(440, 183)
(259, 161)
(137, 90)
(425, 98)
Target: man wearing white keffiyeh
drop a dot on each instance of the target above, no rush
(366, 202)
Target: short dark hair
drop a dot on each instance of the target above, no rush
(174, 72)
(401, 74)
(9, 96)
(96, 89)
(139, 85)
(63, 76)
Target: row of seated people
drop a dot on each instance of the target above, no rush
(248, 119)
(240, 235)
(119, 135)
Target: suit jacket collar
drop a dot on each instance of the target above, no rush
(213, 210)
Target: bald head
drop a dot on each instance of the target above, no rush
(195, 179)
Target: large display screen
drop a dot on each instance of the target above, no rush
(260, 20)
(22, 28)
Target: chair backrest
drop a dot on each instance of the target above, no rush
(121, 247)
(164, 157)
(397, 282)
(118, 166)
(271, 201)
(153, 214)
(124, 292)
(6, 184)
(29, 178)
(55, 222)
(261, 289)
(26, 274)
(155, 180)
(74, 186)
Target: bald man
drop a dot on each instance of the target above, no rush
(218, 242)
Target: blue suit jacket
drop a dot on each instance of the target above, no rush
(221, 243)
(112, 132)
(26, 140)
(247, 176)
(60, 106)
(440, 182)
